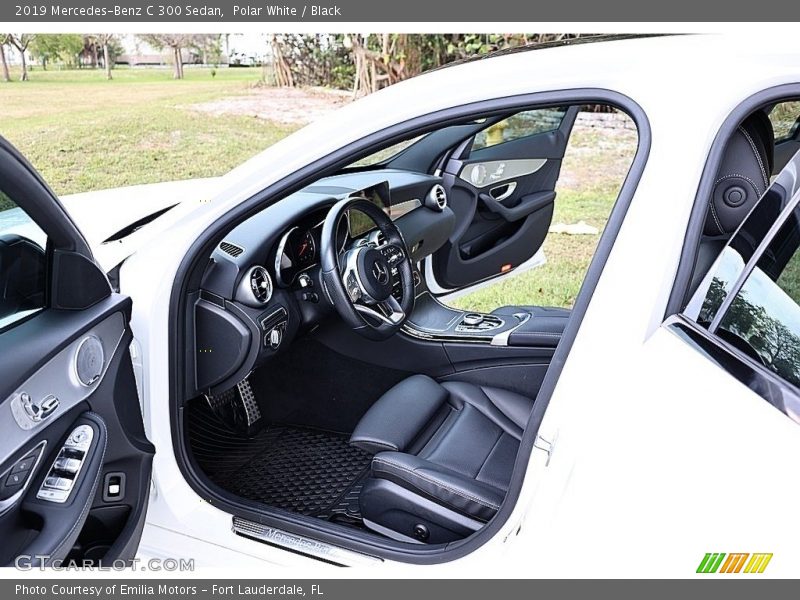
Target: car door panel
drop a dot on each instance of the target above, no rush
(67, 369)
(109, 405)
(503, 198)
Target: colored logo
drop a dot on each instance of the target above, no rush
(738, 562)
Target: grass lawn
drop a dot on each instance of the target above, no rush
(85, 133)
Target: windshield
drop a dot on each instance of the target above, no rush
(387, 153)
(14, 220)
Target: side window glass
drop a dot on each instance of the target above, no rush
(520, 125)
(784, 118)
(22, 263)
(763, 319)
(731, 262)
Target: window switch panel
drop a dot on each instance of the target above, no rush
(57, 485)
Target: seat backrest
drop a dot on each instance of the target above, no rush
(743, 176)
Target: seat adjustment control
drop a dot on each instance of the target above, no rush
(28, 412)
(60, 480)
(14, 480)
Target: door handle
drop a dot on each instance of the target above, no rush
(527, 205)
(501, 192)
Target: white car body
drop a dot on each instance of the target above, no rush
(658, 456)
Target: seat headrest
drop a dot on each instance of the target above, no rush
(743, 175)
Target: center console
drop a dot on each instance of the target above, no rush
(432, 320)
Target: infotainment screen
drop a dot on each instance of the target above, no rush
(379, 196)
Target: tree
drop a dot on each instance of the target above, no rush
(106, 40)
(90, 44)
(210, 48)
(176, 42)
(204, 44)
(21, 41)
(283, 71)
(64, 47)
(3, 42)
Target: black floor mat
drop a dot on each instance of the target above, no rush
(311, 472)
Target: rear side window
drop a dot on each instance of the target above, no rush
(764, 315)
(22, 263)
(520, 125)
(784, 118)
(750, 299)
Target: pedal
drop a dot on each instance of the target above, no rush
(221, 401)
(252, 413)
(237, 407)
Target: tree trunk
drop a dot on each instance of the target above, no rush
(6, 74)
(107, 61)
(24, 75)
(176, 57)
(283, 72)
(94, 55)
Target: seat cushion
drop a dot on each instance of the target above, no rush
(442, 485)
(454, 443)
(396, 419)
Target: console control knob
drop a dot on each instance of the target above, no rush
(473, 319)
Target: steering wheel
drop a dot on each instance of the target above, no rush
(359, 281)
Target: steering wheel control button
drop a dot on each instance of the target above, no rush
(353, 289)
(64, 471)
(393, 254)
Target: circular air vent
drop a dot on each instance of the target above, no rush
(256, 287)
(436, 198)
(89, 360)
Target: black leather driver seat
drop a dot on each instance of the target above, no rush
(443, 456)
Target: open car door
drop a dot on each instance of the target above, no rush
(501, 186)
(74, 459)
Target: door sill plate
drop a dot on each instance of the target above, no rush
(301, 545)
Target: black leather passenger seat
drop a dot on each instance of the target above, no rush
(444, 454)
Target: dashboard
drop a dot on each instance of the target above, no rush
(263, 285)
(297, 252)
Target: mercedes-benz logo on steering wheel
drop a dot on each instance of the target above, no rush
(381, 272)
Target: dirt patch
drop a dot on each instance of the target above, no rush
(293, 106)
